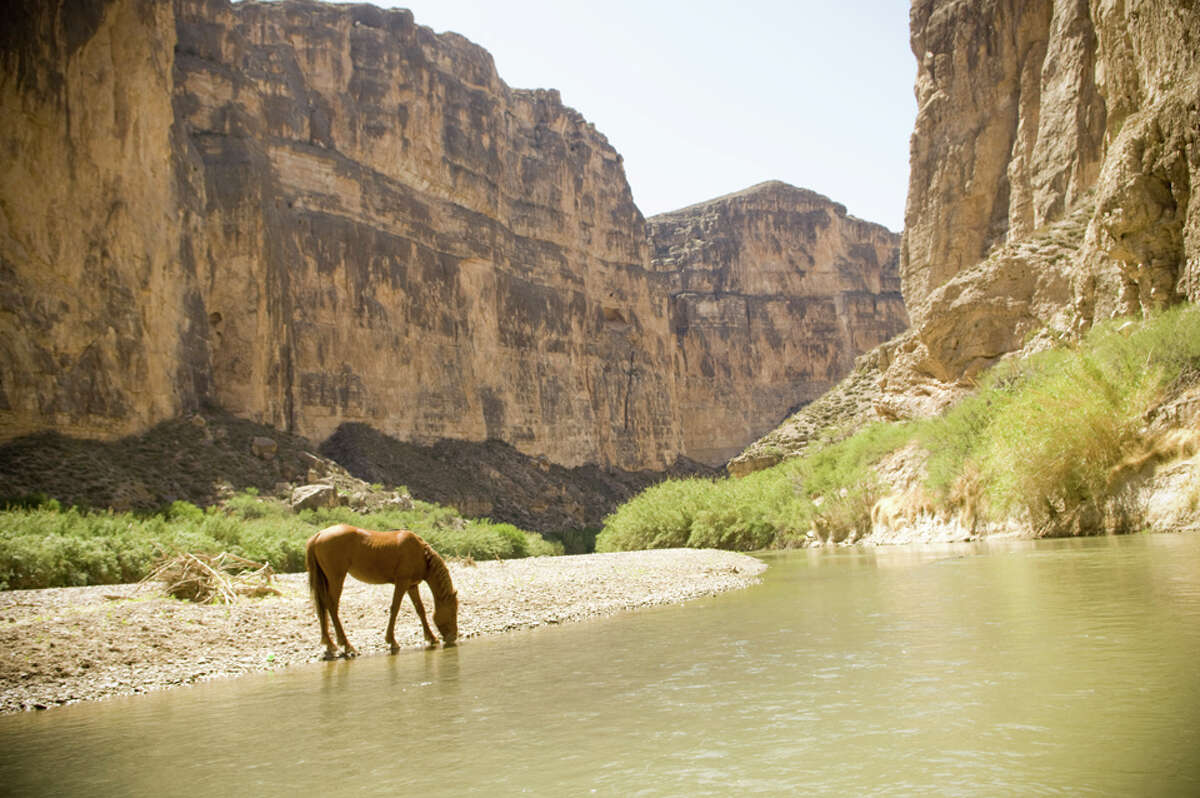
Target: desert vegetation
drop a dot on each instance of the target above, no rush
(1046, 440)
(44, 544)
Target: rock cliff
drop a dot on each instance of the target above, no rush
(1053, 165)
(396, 237)
(318, 215)
(98, 313)
(1054, 157)
(773, 292)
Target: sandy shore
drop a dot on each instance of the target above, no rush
(64, 645)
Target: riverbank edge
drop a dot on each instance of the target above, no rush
(68, 645)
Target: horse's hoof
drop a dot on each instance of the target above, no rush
(329, 656)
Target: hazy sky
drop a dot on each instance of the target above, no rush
(705, 98)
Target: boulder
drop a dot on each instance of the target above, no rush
(312, 497)
(264, 448)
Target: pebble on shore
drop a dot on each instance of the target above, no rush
(65, 645)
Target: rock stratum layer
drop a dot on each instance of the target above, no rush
(312, 215)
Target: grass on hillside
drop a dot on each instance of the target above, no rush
(43, 544)
(1038, 441)
(832, 489)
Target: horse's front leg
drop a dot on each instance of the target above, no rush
(415, 595)
(335, 599)
(390, 637)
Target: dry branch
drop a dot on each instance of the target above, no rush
(218, 579)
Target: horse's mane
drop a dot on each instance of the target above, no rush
(437, 574)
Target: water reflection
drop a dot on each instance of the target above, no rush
(1007, 668)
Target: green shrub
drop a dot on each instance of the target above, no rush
(773, 507)
(660, 517)
(248, 506)
(183, 511)
(1046, 432)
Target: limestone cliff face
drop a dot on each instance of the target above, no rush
(90, 227)
(773, 292)
(395, 237)
(315, 215)
(1055, 152)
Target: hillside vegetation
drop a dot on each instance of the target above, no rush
(1046, 444)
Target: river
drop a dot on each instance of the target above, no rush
(1001, 668)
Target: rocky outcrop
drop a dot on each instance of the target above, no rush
(773, 292)
(314, 215)
(1053, 160)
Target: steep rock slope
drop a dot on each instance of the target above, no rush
(98, 312)
(1063, 120)
(774, 291)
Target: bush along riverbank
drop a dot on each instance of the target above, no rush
(43, 544)
(1099, 436)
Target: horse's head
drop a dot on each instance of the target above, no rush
(445, 617)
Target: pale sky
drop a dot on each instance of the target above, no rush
(706, 98)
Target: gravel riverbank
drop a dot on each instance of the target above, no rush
(64, 645)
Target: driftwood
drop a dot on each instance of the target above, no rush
(218, 579)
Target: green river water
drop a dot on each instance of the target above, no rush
(991, 669)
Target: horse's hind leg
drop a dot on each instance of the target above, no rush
(330, 648)
(415, 595)
(335, 598)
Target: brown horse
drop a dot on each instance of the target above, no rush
(400, 558)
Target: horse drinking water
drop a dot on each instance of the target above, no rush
(400, 558)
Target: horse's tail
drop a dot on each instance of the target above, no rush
(318, 583)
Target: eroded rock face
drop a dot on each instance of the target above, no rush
(773, 292)
(1040, 118)
(396, 237)
(98, 310)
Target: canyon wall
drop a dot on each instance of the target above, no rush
(395, 237)
(98, 310)
(773, 292)
(315, 215)
(1054, 160)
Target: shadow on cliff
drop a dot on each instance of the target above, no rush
(493, 479)
(203, 458)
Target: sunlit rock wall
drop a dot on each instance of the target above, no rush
(99, 317)
(1053, 160)
(396, 237)
(774, 291)
(312, 215)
